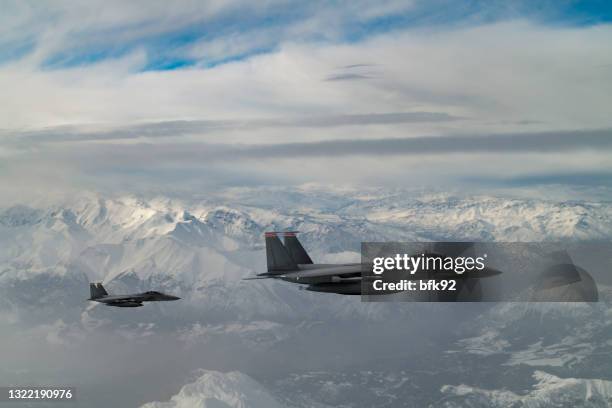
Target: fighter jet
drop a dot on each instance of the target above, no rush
(290, 262)
(99, 294)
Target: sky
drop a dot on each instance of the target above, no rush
(151, 96)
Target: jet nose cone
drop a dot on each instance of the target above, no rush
(170, 297)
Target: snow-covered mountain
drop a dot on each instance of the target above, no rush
(565, 346)
(213, 389)
(567, 337)
(548, 391)
(201, 249)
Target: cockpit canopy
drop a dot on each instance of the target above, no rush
(152, 292)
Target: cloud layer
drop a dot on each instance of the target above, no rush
(140, 96)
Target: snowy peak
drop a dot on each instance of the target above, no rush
(548, 391)
(214, 389)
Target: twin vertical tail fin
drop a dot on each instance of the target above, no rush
(97, 291)
(278, 256)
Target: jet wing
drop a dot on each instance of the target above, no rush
(125, 302)
(129, 299)
(122, 298)
(327, 271)
(356, 269)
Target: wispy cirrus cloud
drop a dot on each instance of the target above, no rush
(68, 33)
(62, 34)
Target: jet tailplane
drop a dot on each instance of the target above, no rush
(278, 257)
(97, 291)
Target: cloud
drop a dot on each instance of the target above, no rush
(503, 72)
(68, 33)
(596, 140)
(589, 178)
(364, 105)
(347, 77)
(185, 127)
(353, 72)
(451, 161)
(521, 143)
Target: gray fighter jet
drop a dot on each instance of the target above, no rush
(290, 262)
(99, 294)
